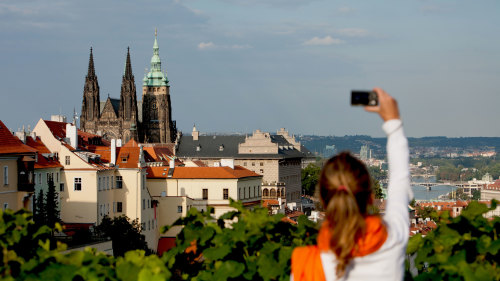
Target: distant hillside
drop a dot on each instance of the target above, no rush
(317, 144)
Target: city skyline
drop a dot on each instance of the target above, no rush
(242, 65)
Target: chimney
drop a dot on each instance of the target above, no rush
(72, 135)
(33, 135)
(113, 151)
(141, 156)
(227, 163)
(21, 134)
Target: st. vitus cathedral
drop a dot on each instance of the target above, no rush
(120, 118)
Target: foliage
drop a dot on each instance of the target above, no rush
(46, 207)
(310, 177)
(461, 195)
(255, 246)
(476, 194)
(466, 247)
(40, 216)
(425, 212)
(51, 205)
(125, 234)
(27, 254)
(242, 245)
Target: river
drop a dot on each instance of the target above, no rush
(421, 192)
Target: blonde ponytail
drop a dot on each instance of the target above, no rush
(345, 190)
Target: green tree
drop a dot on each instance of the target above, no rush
(310, 177)
(476, 194)
(377, 190)
(466, 247)
(461, 195)
(425, 212)
(125, 234)
(40, 216)
(51, 205)
(255, 246)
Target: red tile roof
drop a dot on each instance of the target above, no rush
(202, 172)
(43, 162)
(270, 202)
(85, 142)
(9, 144)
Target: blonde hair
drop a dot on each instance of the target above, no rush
(345, 190)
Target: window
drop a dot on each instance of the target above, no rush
(119, 207)
(40, 178)
(67, 160)
(107, 183)
(99, 184)
(149, 205)
(57, 177)
(261, 171)
(261, 164)
(244, 163)
(114, 207)
(143, 204)
(179, 209)
(205, 194)
(253, 163)
(6, 175)
(119, 183)
(225, 193)
(61, 187)
(112, 181)
(78, 184)
(5, 206)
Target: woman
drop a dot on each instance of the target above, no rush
(352, 244)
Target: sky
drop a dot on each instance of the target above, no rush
(242, 65)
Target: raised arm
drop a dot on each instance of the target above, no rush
(399, 190)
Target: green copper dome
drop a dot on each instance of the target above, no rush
(155, 78)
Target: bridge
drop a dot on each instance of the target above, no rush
(429, 185)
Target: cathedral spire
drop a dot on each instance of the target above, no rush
(155, 77)
(128, 66)
(91, 72)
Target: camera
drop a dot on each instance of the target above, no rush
(359, 97)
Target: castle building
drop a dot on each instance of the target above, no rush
(121, 118)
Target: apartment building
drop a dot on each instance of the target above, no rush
(17, 164)
(178, 189)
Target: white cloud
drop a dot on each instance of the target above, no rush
(208, 45)
(211, 45)
(327, 40)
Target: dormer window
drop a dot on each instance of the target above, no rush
(198, 148)
(124, 158)
(221, 147)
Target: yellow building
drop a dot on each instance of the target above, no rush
(99, 178)
(17, 162)
(177, 189)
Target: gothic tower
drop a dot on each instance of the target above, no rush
(157, 124)
(128, 103)
(91, 101)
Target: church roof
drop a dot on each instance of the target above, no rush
(9, 144)
(114, 103)
(155, 77)
(227, 147)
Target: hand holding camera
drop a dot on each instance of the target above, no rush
(377, 101)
